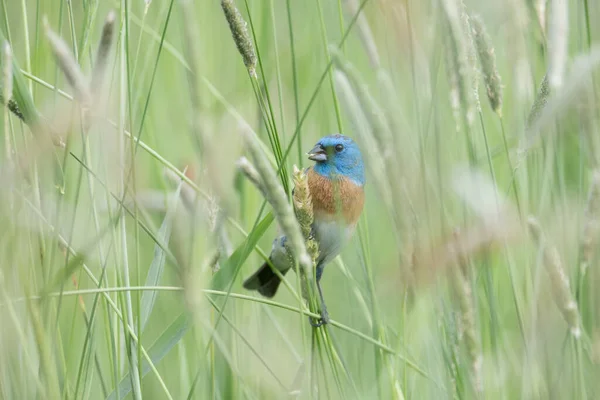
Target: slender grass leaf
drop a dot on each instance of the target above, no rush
(163, 345)
(64, 274)
(230, 266)
(158, 262)
(78, 259)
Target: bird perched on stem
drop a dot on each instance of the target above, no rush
(336, 183)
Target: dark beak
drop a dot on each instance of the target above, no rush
(317, 154)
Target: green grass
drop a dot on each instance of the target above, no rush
(127, 229)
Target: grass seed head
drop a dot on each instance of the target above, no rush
(69, 66)
(304, 211)
(246, 167)
(460, 64)
(540, 102)
(473, 69)
(103, 52)
(241, 36)
(487, 60)
(275, 195)
(559, 281)
(462, 288)
(454, 92)
(360, 124)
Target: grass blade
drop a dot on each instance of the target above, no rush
(161, 347)
(158, 262)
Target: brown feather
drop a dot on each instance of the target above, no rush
(335, 197)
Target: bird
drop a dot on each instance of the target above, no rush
(336, 183)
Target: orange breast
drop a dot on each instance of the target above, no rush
(335, 197)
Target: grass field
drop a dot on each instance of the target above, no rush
(128, 223)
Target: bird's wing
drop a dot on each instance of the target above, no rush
(280, 256)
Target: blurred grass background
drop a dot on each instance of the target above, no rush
(121, 260)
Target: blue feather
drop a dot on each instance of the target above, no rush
(347, 162)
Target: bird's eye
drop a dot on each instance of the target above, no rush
(339, 147)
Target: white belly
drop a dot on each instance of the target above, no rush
(331, 236)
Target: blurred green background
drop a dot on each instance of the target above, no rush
(441, 293)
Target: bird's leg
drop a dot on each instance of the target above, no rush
(324, 314)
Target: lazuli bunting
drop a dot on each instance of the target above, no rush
(336, 183)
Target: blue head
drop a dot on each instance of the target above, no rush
(338, 155)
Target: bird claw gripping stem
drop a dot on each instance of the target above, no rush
(318, 322)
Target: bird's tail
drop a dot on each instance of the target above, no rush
(264, 280)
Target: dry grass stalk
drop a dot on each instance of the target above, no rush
(380, 128)
(473, 72)
(210, 212)
(371, 123)
(373, 112)
(251, 174)
(454, 93)
(375, 163)
(546, 111)
(591, 226)
(384, 171)
(69, 66)
(533, 119)
(518, 29)
(200, 135)
(7, 94)
(477, 238)
(366, 35)
(558, 36)
(188, 194)
(487, 60)
(498, 224)
(192, 56)
(459, 61)
(241, 37)
(75, 78)
(50, 131)
(559, 282)
(86, 92)
(282, 209)
(462, 289)
(540, 10)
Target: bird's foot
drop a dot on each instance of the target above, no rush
(317, 322)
